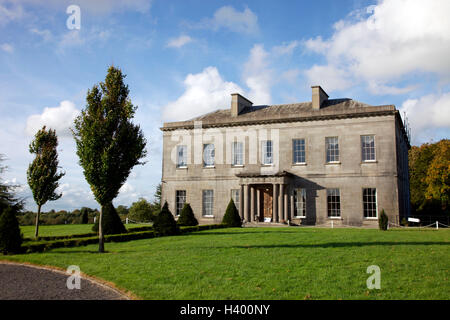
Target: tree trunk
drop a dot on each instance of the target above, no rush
(36, 231)
(101, 245)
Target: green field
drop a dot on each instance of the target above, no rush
(269, 263)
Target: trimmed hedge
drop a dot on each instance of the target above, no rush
(123, 237)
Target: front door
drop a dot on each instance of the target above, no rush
(267, 202)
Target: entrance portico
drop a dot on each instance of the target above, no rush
(265, 198)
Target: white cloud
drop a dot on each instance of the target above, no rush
(59, 118)
(179, 41)
(7, 47)
(10, 11)
(427, 113)
(204, 92)
(45, 34)
(285, 48)
(397, 38)
(258, 76)
(329, 77)
(229, 18)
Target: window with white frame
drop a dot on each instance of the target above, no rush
(370, 202)
(208, 203)
(208, 155)
(180, 200)
(237, 153)
(300, 203)
(333, 203)
(368, 148)
(181, 156)
(236, 196)
(298, 150)
(267, 152)
(332, 149)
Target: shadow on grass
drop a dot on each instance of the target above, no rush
(340, 245)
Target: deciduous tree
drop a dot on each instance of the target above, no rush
(108, 144)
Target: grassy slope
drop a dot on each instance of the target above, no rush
(270, 263)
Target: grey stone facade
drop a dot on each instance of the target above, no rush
(273, 190)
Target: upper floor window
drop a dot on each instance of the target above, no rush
(208, 155)
(333, 203)
(180, 200)
(332, 149)
(368, 148)
(298, 150)
(181, 156)
(300, 203)
(237, 153)
(208, 203)
(267, 152)
(370, 202)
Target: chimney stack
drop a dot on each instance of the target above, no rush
(238, 103)
(318, 97)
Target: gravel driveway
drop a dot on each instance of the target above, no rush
(24, 282)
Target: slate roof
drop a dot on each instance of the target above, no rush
(332, 108)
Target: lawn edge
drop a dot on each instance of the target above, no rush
(96, 280)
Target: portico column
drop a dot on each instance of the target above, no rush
(258, 203)
(252, 203)
(286, 212)
(281, 203)
(292, 203)
(275, 203)
(246, 204)
(241, 202)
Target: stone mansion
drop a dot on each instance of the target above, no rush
(310, 163)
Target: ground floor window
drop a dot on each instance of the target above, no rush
(208, 201)
(180, 200)
(236, 195)
(300, 203)
(370, 202)
(333, 203)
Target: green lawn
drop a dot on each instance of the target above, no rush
(270, 263)
(63, 229)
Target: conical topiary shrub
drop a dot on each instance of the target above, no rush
(10, 236)
(187, 217)
(231, 217)
(383, 221)
(111, 222)
(165, 223)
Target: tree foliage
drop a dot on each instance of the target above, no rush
(165, 223)
(7, 197)
(42, 175)
(231, 216)
(429, 181)
(111, 223)
(187, 217)
(142, 211)
(108, 143)
(10, 235)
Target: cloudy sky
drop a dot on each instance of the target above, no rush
(184, 58)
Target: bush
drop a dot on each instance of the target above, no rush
(142, 211)
(231, 217)
(10, 236)
(165, 224)
(111, 222)
(187, 217)
(84, 217)
(383, 221)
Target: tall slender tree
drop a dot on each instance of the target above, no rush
(108, 144)
(42, 173)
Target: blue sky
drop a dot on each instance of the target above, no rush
(184, 58)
